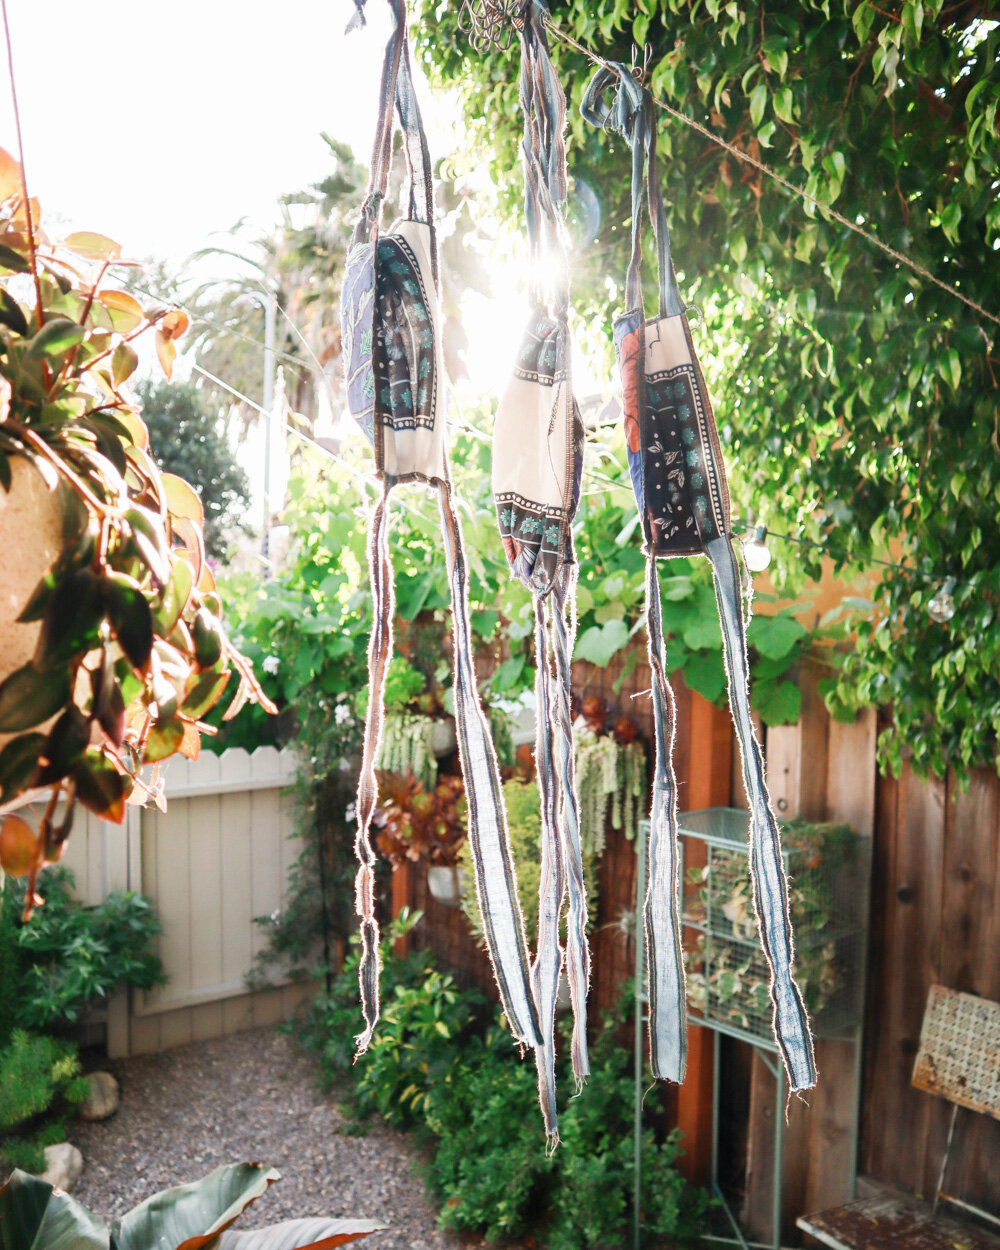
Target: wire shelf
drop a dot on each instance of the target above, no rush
(828, 868)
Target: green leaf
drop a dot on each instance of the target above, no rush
(775, 636)
(165, 738)
(174, 597)
(29, 697)
(599, 643)
(72, 621)
(702, 630)
(204, 694)
(18, 762)
(100, 787)
(34, 1216)
(675, 588)
(56, 337)
(704, 672)
(758, 102)
(124, 362)
(508, 674)
(779, 703)
(198, 1210)
(783, 105)
(130, 617)
(65, 745)
(11, 314)
(208, 638)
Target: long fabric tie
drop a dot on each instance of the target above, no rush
(537, 467)
(678, 476)
(396, 391)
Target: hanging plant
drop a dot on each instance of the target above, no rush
(114, 652)
(408, 747)
(610, 772)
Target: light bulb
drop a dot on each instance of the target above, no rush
(755, 552)
(942, 607)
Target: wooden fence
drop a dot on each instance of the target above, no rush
(935, 906)
(213, 862)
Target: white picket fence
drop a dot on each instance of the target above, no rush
(216, 859)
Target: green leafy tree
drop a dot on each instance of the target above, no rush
(188, 441)
(857, 401)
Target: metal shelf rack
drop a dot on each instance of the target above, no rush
(828, 868)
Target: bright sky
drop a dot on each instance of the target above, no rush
(159, 124)
(162, 125)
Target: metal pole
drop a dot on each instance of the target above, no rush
(779, 1143)
(267, 403)
(640, 981)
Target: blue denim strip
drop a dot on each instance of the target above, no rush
(379, 657)
(577, 961)
(496, 882)
(770, 888)
(667, 1004)
(552, 878)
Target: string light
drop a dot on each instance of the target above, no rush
(942, 607)
(755, 550)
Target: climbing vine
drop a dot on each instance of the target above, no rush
(857, 401)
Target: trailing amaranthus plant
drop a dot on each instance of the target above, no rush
(610, 769)
(131, 653)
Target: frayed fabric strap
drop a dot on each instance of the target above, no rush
(379, 657)
(577, 960)
(496, 884)
(552, 884)
(770, 888)
(667, 1017)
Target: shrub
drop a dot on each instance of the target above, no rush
(461, 1087)
(67, 955)
(40, 1083)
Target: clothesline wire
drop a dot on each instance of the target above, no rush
(791, 187)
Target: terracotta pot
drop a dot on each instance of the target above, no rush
(31, 536)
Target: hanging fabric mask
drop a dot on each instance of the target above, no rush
(537, 468)
(679, 481)
(396, 391)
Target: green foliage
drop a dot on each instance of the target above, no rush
(69, 955)
(186, 439)
(40, 1083)
(857, 402)
(440, 1067)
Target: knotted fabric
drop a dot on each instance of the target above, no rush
(537, 469)
(396, 391)
(679, 480)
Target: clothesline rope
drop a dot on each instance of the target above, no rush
(765, 169)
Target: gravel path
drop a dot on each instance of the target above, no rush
(253, 1096)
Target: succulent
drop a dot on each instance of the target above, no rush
(419, 824)
(131, 653)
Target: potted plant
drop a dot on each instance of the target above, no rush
(113, 650)
(33, 1213)
(418, 824)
